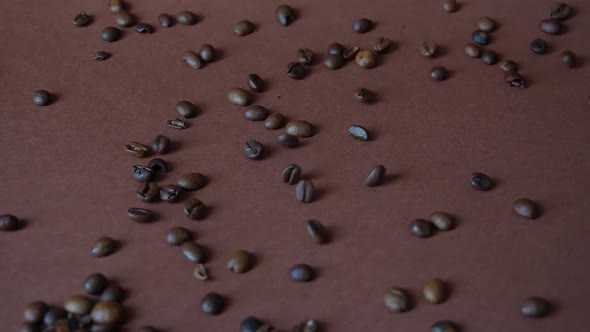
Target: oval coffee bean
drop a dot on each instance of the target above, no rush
(550, 26)
(472, 50)
(335, 49)
(435, 291)
(35, 311)
(117, 5)
(508, 66)
(250, 324)
(366, 59)
(113, 293)
(317, 231)
(124, 19)
(244, 28)
(350, 53)
(104, 246)
(195, 209)
(53, 315)
(480, 181)
(148, 192)
(376, 176)
(240, 261)
(8, 223)
(445, 326)
(481, 37)
(450, 6)
(291, 174)
(568, 58)
(42, 98)
(95, 284)
(535, 307)
(193, 60)
(489, 57)
(561, 11)
(285, 15)
(274, 121)
(364, 96)
(382, 45)
(255, 113)
(513, 78)
(301, 273)
(295, 70)
(193, 252)
(142, 27)
(539, 46)
(255, 83)
(178, 235)
(82, 19)
(305, 56)
(192, 181)
(239, 96)
(142, 173)
(106, 312)
(253, 149)
(305, 191)
(527, 208)
(166, 21)
(170, 193)
(362, 25)
(334, 62)
(300, 128)
(137, 149)
(439, 73)
(101, 56)
(212, 304)
(186, 109)
(486, 24)
(427, 48)
(288, 141)
(421, 228)
(176, 124)
(140, 215)
(358, 132)
(207, 53)
(158, 165)
(396, 299)
(110, 34)
(186, 17)
(78, 305)
(442, 221)
(161, 144)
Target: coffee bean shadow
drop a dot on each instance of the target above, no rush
(441, 52)
(208, 212)
(450, 74)
(308, 176)
(390, 178)
(319, 193)
(23, 223)
(220, 53)
(267, 152)
(174, 146)
(55, 97)
(117, 245)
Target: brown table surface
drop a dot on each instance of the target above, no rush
(64, 171)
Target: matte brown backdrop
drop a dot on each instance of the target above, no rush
(64, 171)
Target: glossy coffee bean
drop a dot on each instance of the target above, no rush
(255, 113)
(568, 58)
(362, 25)
(334, 62)
(508, 66)
(317, 231)
(250, 324)
(170, 193)
(186, 109)
(366, 59)
(350, 53)
(480, 181)
(535, 307)
(288, 141)
(166, 21)
(178, 235)
(113, 293)
(382, 45)
(192, 181)
(207, 53)
(253, 149)
(53, 315)
(514, 78)
(137, 149)
(335, 49)
(300, 128)
(427, 48)
(110, 34)
(305, 56)
(285, 15)
(195, 209)
(124, 19)
(42, 98)
(148, 192)
(472, 50)
(239, 96)
(35, 311)
(301, 273)
(274, 121)
(450, 6)
(101, 56)
(142, 173)
(95, 284)
(78, 305)
(305, 191)
(539, 46)
(193, 60)
(439, 73)
(358, 132)
(158, 165)
(255, 83)
(364, 95)
(435, 291)
(107, 312)
(421, 228)
(212, 304)
(291, 174)
(267, 328)
(240, 261)
(82, 19)
(561, 11)
(376, 176)
(243, 28)
(8, 223)
(103, 247)
(442, 221)
(176, 123)
(116, 6)
(480, 37)
(489, 57)
(550, 26)
(485, 24)
(140, 215)
(445, 326)
(295, 70)
(527, 208)
(396, 299)
(161, 144)
(186, 17)
(193, 252)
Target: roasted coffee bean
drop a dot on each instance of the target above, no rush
(442, 221)
(508, 66)
(142, 173)
(450, 6)
(335, 49)
(300, 128)
(166, 21)
(301, 273)
(472, 50)
(240, 261)
(148, 192)
(550, 26)
(364, 96)
(212, 304)
(200, 272)
(527, 208)
(42, 98)
(187, 18)
(480, 181)
(244, 28)
(334, 62)
(140, 215)
(421, 228)
(193, 60)
(137, 149)
(568, 58)
(255, 83)
(439, 73)
(250, 324)
(480, 37)
(30, 327)
(305, 56)
(113, 293)
(186, 109)
(305, 191)
(362, 25)
(239, 96)
(142, 27)
(117, 5)
(82, 19)
(35, 311)
(366, 59)
(489, 57)
(193, 252)
(161, 144)
(170, 193)
(291, 174)
(207, 53)
(266, 328)
(104, 328)
(358, 132)
(78, 305)
(295, 70)
(435, 291)
(110, 34)
(104, 246)
(8, 223)
(514, 78)
(195, 209)
(255, 113)
(486, 24)
(124, 19)
(445, 326)
(307, 326)
(253, 149)
(95, 284)
(317, 231)
(396, 299)
(285, 15)
(158, 165)
(178, 235)
(53, 315)
(535, 307)
(148, 329)
(539, 46)
(350, 53)
(561, 11)
(427, 48)
(274, 121)
(101, 56)
(176, 123)
(382, 45)
(376, 176)
(287, 140)
(107, 312)
(192, 181)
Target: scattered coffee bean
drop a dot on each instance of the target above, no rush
(486, 24)
(435, 291)
(362, 25)
(439, 73)
(396, 300)
(35, 311)
(186, 109)
(317, 231)
(137, 149)
(192, 181)
(53, 315)
(166, 21)
(106, 312)
(335, 49)
(334, 62)
(295, 70)
(442, 221)
(178, 235)
(250, 324)
(8, 223)
(539, 46)
(78, 305)
(193, 60)
(480, 37)
(301, 273)
(287, 140)
(95, 284)
(124, 19)
(239, 96)
(568, 58)
(305, 56)
(366, 59)
(274, 121)
(255, 113)
(200, 272)
(305, 191)
(421, 228)
(489, 57)
(450, 6)
(240, 261)
(195, 209)
(266, 328)
(212, 304)
(193, 252)
(161, 144)
(527, 208)
(428, 48)
(170, 193)
(42, 98)
(358, 132)
(255, 83)
(472, 50)
(113, 293)
(285, 15)
(535, 307)
(363, 95)
(513, 78)
(176, 123)
(148, 192)
(508, 66)
(349, 53)
(291, 174)
(382, 45)
(207, 53)
(82, 19)
(480, 181)
(550, 26)
(158, 165)
(307, 326)
(187, 18)
(140, 215)
(300, 128)
(104, 246)
(110, 34)
(445, 326)
(101, 56)
(561, 11)
(142, 27)
(244, 28)
(142, 173)
(117, 5)
(253, 149)
(376, 176)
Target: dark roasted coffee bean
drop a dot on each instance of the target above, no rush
(514, 78)
(212, 304)
(363, 95)
(158, 165)
(255, 83)
(193, 252)
(110, 34)
(295, 70)
(178, 235)
(82, 19)
(250, 324)
(161, 144)
(358, 132)
(101, 56)
(300, 128)
(450, 6)
(568, 58)
(53, 315)
(239, 96)
(113, 293)
(240, 261)
(305, 56)
(527, 208)
(334, 62)
(187, 18)
(435, 291)
(561, 11)
(291, 174)
(42, 97)
(124, 19)
(148, 328)
(301, 273)
(166, 21)
(244, 28)
(195, 209)
(8, 223)
(117, 5)
(362, 25)
(382, 45)
(137, 149)
(287, 140)
(307, 326)
(285, 15)
(335, 49)
(107, 312)
(317, 231)
(274, 121)
(104, 246)
(170, 193)
(253, 149)
(35, 311)
(30, 327)
(376, 176)
(200, 272)
(207, 53)
(486, 24)
(439, 73)
(539, 46)
(140, 215)
(480, 181)
(148, 192)
(472, 50)
(550, 26)
(489, 57)
(535, 307)
(366, 59)
(480, 37)
(350, 53)
(78, 305)
(420, 228)
(176, 123)
(396, 299)
(142, 173)
(266, 328)
(142, 27)
(193, 60)
(95, 284)
(508, 66)
(305, 191)
(192, 181)
(442, 221)
(255, 113)
(445, 326)
(427, 48)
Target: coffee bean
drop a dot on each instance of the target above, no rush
(193, 60)
(301, 273)
(366, 59)
(362, 25)
(334, 62)
(142, 173)
(240, 261)
(104, 246)
(255, 113)
(396, 299)
(104, 328)
(442, 221)
(363, 95)
(240, 97)
(550, 26)
(480, 181)
(113, 293)
(317, 231)
(148, 329)
(8, 223)
(274, 121)
(527, 208)
(166, 21)
(335, 49)
(35, 311)
(480, 37)
(514, 78)
(486, 24)
(291, 174)
(161, 144)
(305, 56)
(427, 48)
(287, 140)
(307, 326)
(489, 57)
(421, 228)
(53, 315)
(266, 328)
(472, 50)
(435, 291)
(508, 66)
(140, 215)
(255, 83)
(170, 193)
(142, 27)
(101, 56)
(200, 272)
(207, 53)
(176, 123)
(137, 149)
(95, 284)
(117, 5)
(158, 165)
(358, 132)
(193, 252)
(107, 312)
(539, 46)
(439, 73)
(295, 70)
(187, 18)
(350, 53)
(253, 149)
(568, 58)
(535, 307)
(78, 305)
(376, 176)
(285, 15)
(30, 327)
(561, 11)
(124, 19)
(82, 19)
(300, 128)
(192, 181)
(186, 109)
(382, 45)
(148, 192)
(178, 235)
(195, 209)
(450, 6)
(250, 324)
(244, 28)
(445, 326)
(212, 304)
(305, 191)
(42, 98)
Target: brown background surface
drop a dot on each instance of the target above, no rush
(64, 171)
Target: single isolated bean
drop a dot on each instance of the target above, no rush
(435, 291)
(535, 307)
(8, 223)
(472, 50)
(192, 181)
(274, 121)
(514, 78)
(124, 19)
(489, 57)
(485, 24)
(78, 305)
(186, 17)
(35, 311)
(193, 60)
(253, 149)
(508, 66)
(421, 228)
(195, 209)
(366, 59)
(300, 128)
(170, 193)
(104, 246)
(302, 273)
(358, 132)
(107, 312)
(450, 6)
(239, 96)
(350, 53)
(148, 192)
(176, 123)
(307, 326)
(376, 176)
(186, 109)
(166, 21)
(442, 221)
(137, 149)
(295, 70)
(42, 98)
(396, 299)
(568, 58)
(161, 144)
(140, 215)
(334, 62)
(255, 113)
(445, 326)
(561, 11)
(285, 15)
(142, 27)
(117, 5)
(101, 56)
(240, 261)
(382, 45)
(287, 140)
(427, 48)
(305, 191)
(335, 49)
(480, 181)
(480, 37)
(291, 174)
(200, 272)
(212, 304)
(95, 284)
(317, 231)
(178, 235)
(550, 26)
(250, 324)
(363, 95)
(142, 173)
(113, 293)
(255, 83)
(243, 28)
(362, 25)
(193, 252)
(158, 165)
(82, 19)
(207, 53)
(538, 46)
(527, 208)
(305, 56)
(439, 73)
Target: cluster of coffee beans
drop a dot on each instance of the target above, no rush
(206, 54)
(441, 221)
(553, 26)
